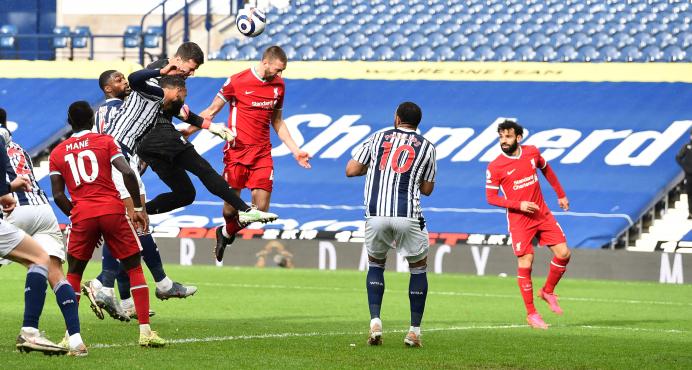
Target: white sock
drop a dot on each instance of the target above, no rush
(144, 329)
(165, 284)
(108, 291)
(29, 330)
(225, 233)
(75, 340)
(376, 321)
(96, 284)
(415, 329)
(127, 303)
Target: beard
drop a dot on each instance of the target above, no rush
(173, 107)
(510, 148)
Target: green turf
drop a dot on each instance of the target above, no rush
(316, 319)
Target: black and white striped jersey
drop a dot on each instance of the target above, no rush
(20, 164)
(398, 160)
(139, 112)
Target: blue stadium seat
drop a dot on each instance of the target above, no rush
(588, 53)
(337, 40)
(293, 28)
(504, 53)
(579, 39)
(545, 53)
(131, 38)
(517, 39)
(632, 53)
(497, 39)
(469, 28)
(351, 28)
(463, 53)
(538, 39)
(307, 19)
(437, 39)
(403, 52)
(384, 52)
(153, 36)
(389, 28)
(601, 39)
(397, 39)
(685, 40)
(477, 39)
(450, 29)
(306, 52)
(300, 39)
(357, 39)
(525, 53)
(550, 28)
(370, 28)
(290, 51)
(80, 37)
(249, 52)
(364, 52)
(325, 52)
(345, 52)
(610, 53)
(614, 27)
(643, 39)
(331, 29)
(424, 53)
(653, 53)
(429, 28)
(444, 52)
(417, 39)
(8, 33)
(484, 53)
(674, 53)
(61, 36)
(230, 52)
(346, 19)
(378, 39)
(409, 28)
(567, 53)
(622, 39)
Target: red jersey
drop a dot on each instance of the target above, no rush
(84, 162)
(252, 102)
(516, 177)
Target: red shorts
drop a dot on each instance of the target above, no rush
(548, 233)
(252, 168)
(116, 229)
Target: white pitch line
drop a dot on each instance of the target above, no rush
(461, 294)
(334, 334)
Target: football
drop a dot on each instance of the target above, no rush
(251, 21)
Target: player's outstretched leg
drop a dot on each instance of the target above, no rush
(101, 291)
(140, 294)
(558, 266)
(225, 234)
(533, 318)
(165, 287)
(375, 288)
(67, 301)
(417, 294)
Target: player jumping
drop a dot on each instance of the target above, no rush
(256, 97)
(514, 172)
(83, 163)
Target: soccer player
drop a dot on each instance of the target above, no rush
(256, 97)
(399, 165)
(101, 290)
(144, 124)
(514, 172)
(35, 216)
(17, 246)
(83, 164)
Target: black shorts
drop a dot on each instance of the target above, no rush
(162, 143)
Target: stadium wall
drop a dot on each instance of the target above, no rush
(610, 131)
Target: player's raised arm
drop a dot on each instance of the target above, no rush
(358, 165)
(492, 194)
(301, 156)
(139, 82)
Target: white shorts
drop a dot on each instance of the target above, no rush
(10, 237)
(118, 178)
(405, 234)
(40, 222)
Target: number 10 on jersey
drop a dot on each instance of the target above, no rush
(78, 169)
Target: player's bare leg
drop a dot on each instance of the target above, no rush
(375, 289)
(418, 291)
(140, 294)
(30, 254)
(165, 287)
(558, 266)
(525, 264)
(235, 221)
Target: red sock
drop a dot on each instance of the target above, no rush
(526, 288)
(557, 269)
(232, 225)
(140, 293)
(75, 280)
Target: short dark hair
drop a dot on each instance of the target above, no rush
(410, 113)
(80, 115)
(275, 52)
(3, 118)
(105, 77)
(509, 124)
(190, 50)
(172, 81)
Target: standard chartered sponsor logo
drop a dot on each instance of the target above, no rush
(525, 182)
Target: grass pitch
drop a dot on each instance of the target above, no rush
(276, 318)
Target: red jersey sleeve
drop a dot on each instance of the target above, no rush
(280, 98)
(53, 167)
(113, 148)
(493, 180)
(227, 91)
